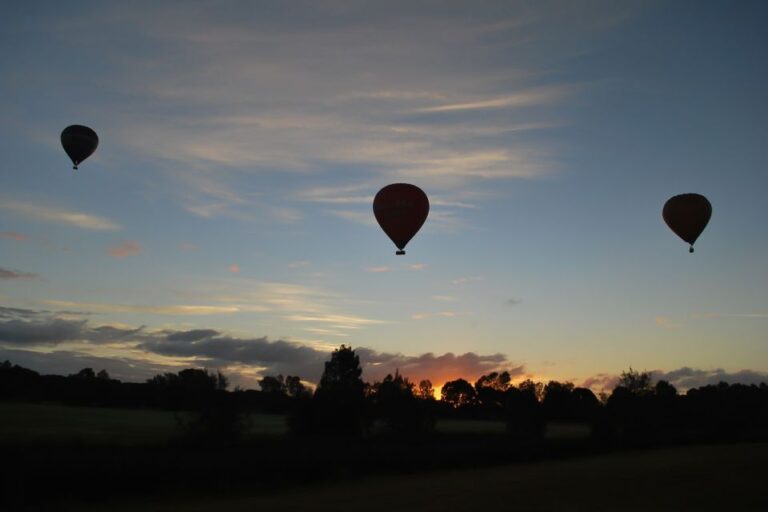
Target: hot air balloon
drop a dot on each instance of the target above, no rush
(79, 142)
(687, 215)
(401, 210)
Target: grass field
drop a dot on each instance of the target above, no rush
(698, 478)
(126, 427)
(724, 477)
(41, 423)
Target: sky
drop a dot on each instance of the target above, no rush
(225, 219)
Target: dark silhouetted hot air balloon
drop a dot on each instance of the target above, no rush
(687, 215)
(401, 210)
(79, 142)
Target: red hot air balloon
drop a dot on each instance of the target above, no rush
(401, 210)
(687, 215)
(79, 142)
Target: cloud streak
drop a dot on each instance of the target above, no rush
(124, 249)
(13, 274)
(13, 235)
(59, 216)
(181, 310)
(530, 98)
(315, 104)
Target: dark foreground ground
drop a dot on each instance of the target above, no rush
(55, 457)
(699, 478)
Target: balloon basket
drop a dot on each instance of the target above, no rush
(400, 253)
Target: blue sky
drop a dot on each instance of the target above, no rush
(242, 144)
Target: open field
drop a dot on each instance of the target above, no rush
(33, 423)
(126, 427)
(701, 478)
(57, 446)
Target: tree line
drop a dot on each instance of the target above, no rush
(638, 410)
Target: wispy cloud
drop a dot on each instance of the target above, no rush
(666, 322)
(285, 215)
(124, 249)
(464, 280)
(234, 268)
(347, 194)
(316, 105)
(13, 274)
(326, 332)
(58, 216)
(172, 310)
(748, 315)
(445, 298)
(365, 218)
(378, 270)
(446, 314)
(13, 235)
(338, 321)
(529, 98)
(417, 266)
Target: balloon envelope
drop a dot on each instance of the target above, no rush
(687, 215)
(79, 142)
(401, 210)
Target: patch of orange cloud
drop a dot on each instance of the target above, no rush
(124, 249)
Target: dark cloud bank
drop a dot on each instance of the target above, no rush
(24, 333)
(24, 329)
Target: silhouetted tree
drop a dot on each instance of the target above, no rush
(664, 390)
(341, 378)
(85, 373)
(188, 388)
(585, 403)
(637, 383)
(103, 375)
(491, 391)
(397, 406)
(557, 402)
(273, 385)
(338, 406)
(525, 420)
(219, 418)
(494, 380)
(425, 391)
(535, 389)
(630, 408)
(458, 393)
(294, 387)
